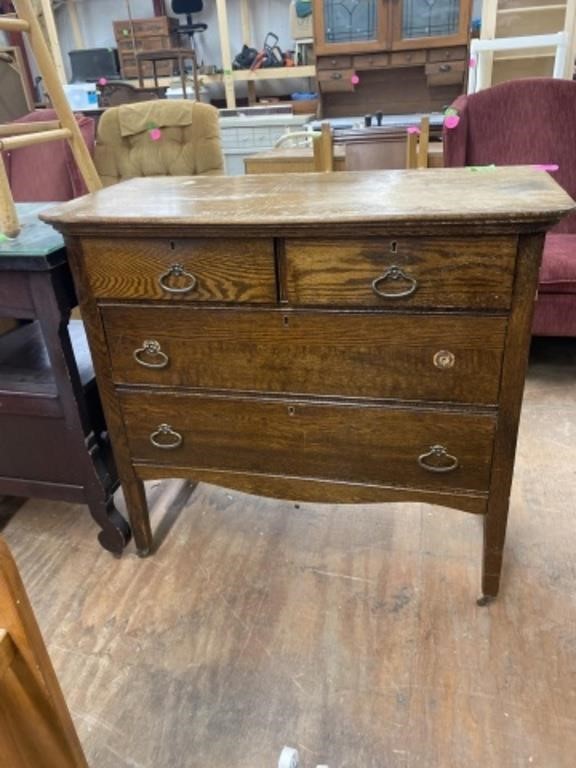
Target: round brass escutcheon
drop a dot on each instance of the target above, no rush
(444, 359)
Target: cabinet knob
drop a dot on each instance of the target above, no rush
(166, 438)
(445, 67)
(444, 359)
(437, 459)
(175, 272)
(390, 276)
(150, 355)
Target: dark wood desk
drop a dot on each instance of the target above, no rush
(180, 55)
(53, 441)
(341, 337)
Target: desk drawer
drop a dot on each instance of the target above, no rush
(439, 358)
(408, 272)
(181, 269)
(364, 444)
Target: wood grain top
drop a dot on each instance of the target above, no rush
(260, 204)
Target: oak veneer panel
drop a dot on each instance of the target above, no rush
(363, 444)
(466, 273)
(225, 270)
(364, 355)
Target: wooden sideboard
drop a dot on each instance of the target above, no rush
(347, 337)
(396, 56)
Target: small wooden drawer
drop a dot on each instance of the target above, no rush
(407, 272)
(448, 54)
(336, 80)
(445, 73)
(371, 61)
(352, 354)
(407, 58)
(334, 62)
(357, 443)
(181, 269)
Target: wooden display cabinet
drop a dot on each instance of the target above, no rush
(360, 44)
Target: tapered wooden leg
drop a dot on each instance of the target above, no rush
(495, 522)
(137, 506)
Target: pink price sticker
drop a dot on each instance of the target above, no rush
(155, 134)
(103, 81)
(548, 167)
(451, 121)
(354, 79)
(472, 63)
(413, 129)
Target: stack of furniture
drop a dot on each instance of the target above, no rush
(139, 35)
(394, 55)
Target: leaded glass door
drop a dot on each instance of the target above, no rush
(350, 25)
(430, 22)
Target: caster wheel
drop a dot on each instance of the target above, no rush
(289, 758)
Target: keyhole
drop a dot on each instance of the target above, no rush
(172, 245)
(285, 321)
(291, 410)
(394, 246)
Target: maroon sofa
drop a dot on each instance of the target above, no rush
(47, 172)
(531, 122)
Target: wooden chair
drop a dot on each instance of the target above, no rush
(417, 144)
(36, 730)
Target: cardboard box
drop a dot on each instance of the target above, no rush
(300, 28)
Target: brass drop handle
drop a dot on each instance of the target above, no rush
(438, 453)
(336, 75)
(166, 438)
(175, 271)
(152, 349)
(391, 275)
(445, 67)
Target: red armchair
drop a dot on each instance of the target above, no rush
(529, 122)
(47, 172)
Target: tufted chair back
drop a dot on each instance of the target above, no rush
(158, 138)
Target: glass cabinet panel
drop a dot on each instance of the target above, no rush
(348, 21)
(430, 18)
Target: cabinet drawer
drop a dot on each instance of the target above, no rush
(445, 72)
(407, 272)
(181, 269)
(407, 58)
(334, 62)
(363, 355)
(447, 54)
(360, 443)
(336, 80)
(371, 61)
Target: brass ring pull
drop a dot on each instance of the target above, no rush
(177, 270)
(151, 348)
(438, 452)
(170, 438)
(444, 359)
(392, 274)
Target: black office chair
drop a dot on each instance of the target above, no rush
(187, 8)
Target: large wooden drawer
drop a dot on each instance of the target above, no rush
(181, 269)
(355, 354)
(359, 443)
(403, 272)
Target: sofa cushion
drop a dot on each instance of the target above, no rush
(558, 270)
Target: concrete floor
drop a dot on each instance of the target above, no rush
(350, 633)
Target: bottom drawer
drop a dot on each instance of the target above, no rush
(416, 448)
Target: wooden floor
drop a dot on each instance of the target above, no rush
(349, 633)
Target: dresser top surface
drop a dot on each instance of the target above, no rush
(261, 202)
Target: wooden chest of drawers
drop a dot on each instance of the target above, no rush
(346, 337)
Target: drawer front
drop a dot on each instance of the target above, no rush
(336, 80)
(445, 72)
(371, 61)
(407, 58)
(362, 355)
(408, 272)
(181, 270)
(334, 62)
(448, 54)
(363, 444)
